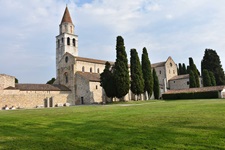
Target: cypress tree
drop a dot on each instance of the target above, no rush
(212, 78)
(188, 69)
(211, 62)
(195, 72)
(206, 78)
(147, 73)
(192, 81)
(107, 81)
(184, 69)
(180, 69)
(121, 73)
(137, 81)
(155, 85)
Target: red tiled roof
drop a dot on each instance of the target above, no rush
(185, 76)
(160, 64)
(66, 16)
(41, 87)
(202, 89)
(92, 60)
(95, 77)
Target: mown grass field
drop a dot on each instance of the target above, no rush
(186, 124)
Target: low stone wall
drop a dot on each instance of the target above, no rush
(32, 99)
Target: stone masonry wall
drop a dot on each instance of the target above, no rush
(6, 81)
(31, 99)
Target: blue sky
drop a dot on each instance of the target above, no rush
(179, 29)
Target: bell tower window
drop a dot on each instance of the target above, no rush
(74, 42)
(71, 29)
(62, 40)
(68, 41)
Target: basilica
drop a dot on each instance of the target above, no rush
(77, 78)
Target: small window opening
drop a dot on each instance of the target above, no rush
(83, 69)
(74, 42)
(68, 41)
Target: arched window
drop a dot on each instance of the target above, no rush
(90, 69)
(83, 69)
(74, 42)
(98, 70)
(58, 43)
(66, 77)
(71, 29)
(62, 40)
(68, 41)
(66, 59)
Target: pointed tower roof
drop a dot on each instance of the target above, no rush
(66, 16)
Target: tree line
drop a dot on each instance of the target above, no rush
(211, 70)
(116, 80)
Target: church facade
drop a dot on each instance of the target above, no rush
(77, 78)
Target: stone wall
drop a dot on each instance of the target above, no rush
(32, 99)
(6, 81)
(171, 69)
(179, 84)
(96, 68)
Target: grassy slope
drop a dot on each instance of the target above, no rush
(192, 124)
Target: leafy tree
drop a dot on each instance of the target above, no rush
(206, 78)
(156, 85)
(137, 81)
(107, 81)
(211, 62)
(192, 81)
(195, 72)
(121, 73)
(16, 80)
(212, 78)
(147, 73)
(51, 81)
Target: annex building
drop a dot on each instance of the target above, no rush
(77, 78)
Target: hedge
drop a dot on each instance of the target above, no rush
(192, 95)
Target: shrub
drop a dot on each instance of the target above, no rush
(192, 95)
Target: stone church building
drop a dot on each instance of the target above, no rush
(77, 78)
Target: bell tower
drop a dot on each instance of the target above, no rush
(66, 41)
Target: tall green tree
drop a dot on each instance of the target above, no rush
(206, 78)
(211, 62)
(137, 81)
(147, 73)
(192, 81)
(180, 69)
(212, 78)
(195, 72)
(184, 69)
(121, 73)
(107, 81)
(156, 85)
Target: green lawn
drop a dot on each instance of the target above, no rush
(186, 124)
